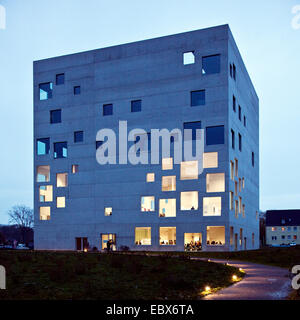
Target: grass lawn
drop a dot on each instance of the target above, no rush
(72, 275)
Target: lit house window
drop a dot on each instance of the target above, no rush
(60, 202)
(215, 235)
(43, 174)
(45, 90)
(189, 200)
(44, 213)
(211, 206)
(143, 236)
(46, 193)
(42, 146)
(215, 182)
(167, 163)
(75, 168)
(108, 211)
(60, 150)
(167, 236)
(61, 180)
(169, 183)
(150, 177)
(147, 204)
(210, 160)
(167, 207)
(189, 170)
(211, 64)
(188, 58)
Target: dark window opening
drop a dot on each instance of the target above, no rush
(193, 126)
(232, 139)
(107, 109)
(214, 135)
(234, 71)
(45, 90)
(234, 103)
(136, 106)
(43, 146)
(211, 64)
(240, 113)
(245, 121)
(60, 150)
(76, 90)
(60, 79)
(55, 116)
(198, 98)
(240, 142)
(78, 136)
(252, 159)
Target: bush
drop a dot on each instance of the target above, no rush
(124, 248)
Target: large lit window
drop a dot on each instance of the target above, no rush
(211, 64)
(189, 200)
(60, 202)
(212, 206)
(210, 160)
(192, 241)
(108, 211)
(43, 174)
(167, 207)
(189, 170)
(61, 180)
(43, 146)
(44, 213)
(167, 236)
(150, 177)
(45, 90)
(46, 193)
(167, 163)
(188, 57)
(169, 183)
(147, 204)
(143, 236)
(214, 135)
(215, 182)
(215, 236)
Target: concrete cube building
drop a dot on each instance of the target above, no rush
(190, 80)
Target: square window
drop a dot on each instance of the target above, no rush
(43, 146)
(60, 202)
(211, 64)
(194, 126)
(78, 136)
(210, 160)
(75, 168)
(167, 208)
(46, 193)
(189, 200)
(167, 236)
(107, 109)
(136, 106)
(60, 150)
(197, 98)
(147, 203)
(215, 182)
(45, 90)
(43, 174)
(215, 236)
(60, 79)
(44, 213)
(143, 236)
(61, 180)
(77, 90)
(108, 211)
(169, 183)
(189, 170)
(212, 207)
(167, 163)
(188, 57)
(150, 177)
(214, 135)
(55, 116)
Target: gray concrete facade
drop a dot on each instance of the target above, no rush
(151, 71)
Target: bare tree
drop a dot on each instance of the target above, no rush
(22, 217)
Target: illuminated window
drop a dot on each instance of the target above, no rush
(215, 236)
(167, 208)
(236, 188)
(189, 200)
(215, 182)
(274, 228)
(189, 170)
(243, 211)
(60, 202)
(231, 200)
(45, 90)
(192, 241)
(169, 183)
(211, 206)
(108, 211)
(43, 174)
(46, 194)
(61, 180)
(167, 163)
(188, 58)
(44, 213)
(240, 204)
(167, 236)
(231, 170)
(147, 204)
(75, 168)
(143, 236)
(150, 177)
(210, 160)
(243, 183)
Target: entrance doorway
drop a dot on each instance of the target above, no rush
(192, 242)
(81, 244)
(105, 237)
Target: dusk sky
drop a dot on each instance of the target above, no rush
(263, 30)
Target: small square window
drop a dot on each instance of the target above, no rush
(214, 135)
(43, 174)
(211, 64)
(60, 150)
(55, 116)
(43, 146)
(45, 90)
(167, 208)
(78, 136)
(75, 168)
(107, 109)
(108, 211)
(167, 163)
(189, 170)
(150, 177)
(136, 106)
(44, 213)
(215, 182)
(210, 160)
(60, 202)
(197, 98)
(76, 90)
(188, 58)
(61, 180)
(60, 79)
(147, 203)
(168, 183)
(167, 236)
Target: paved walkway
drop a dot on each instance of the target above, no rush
(260, 283)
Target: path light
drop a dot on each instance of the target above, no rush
(207, 289)
(241, 270)
(234, 277)
(85, 250)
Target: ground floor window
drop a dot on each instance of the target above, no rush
(45, 213)
(81, 244)
(167, 235)
(215, 235)
(108, 241)
(143, 236)
(167, 207)
(192, 242)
